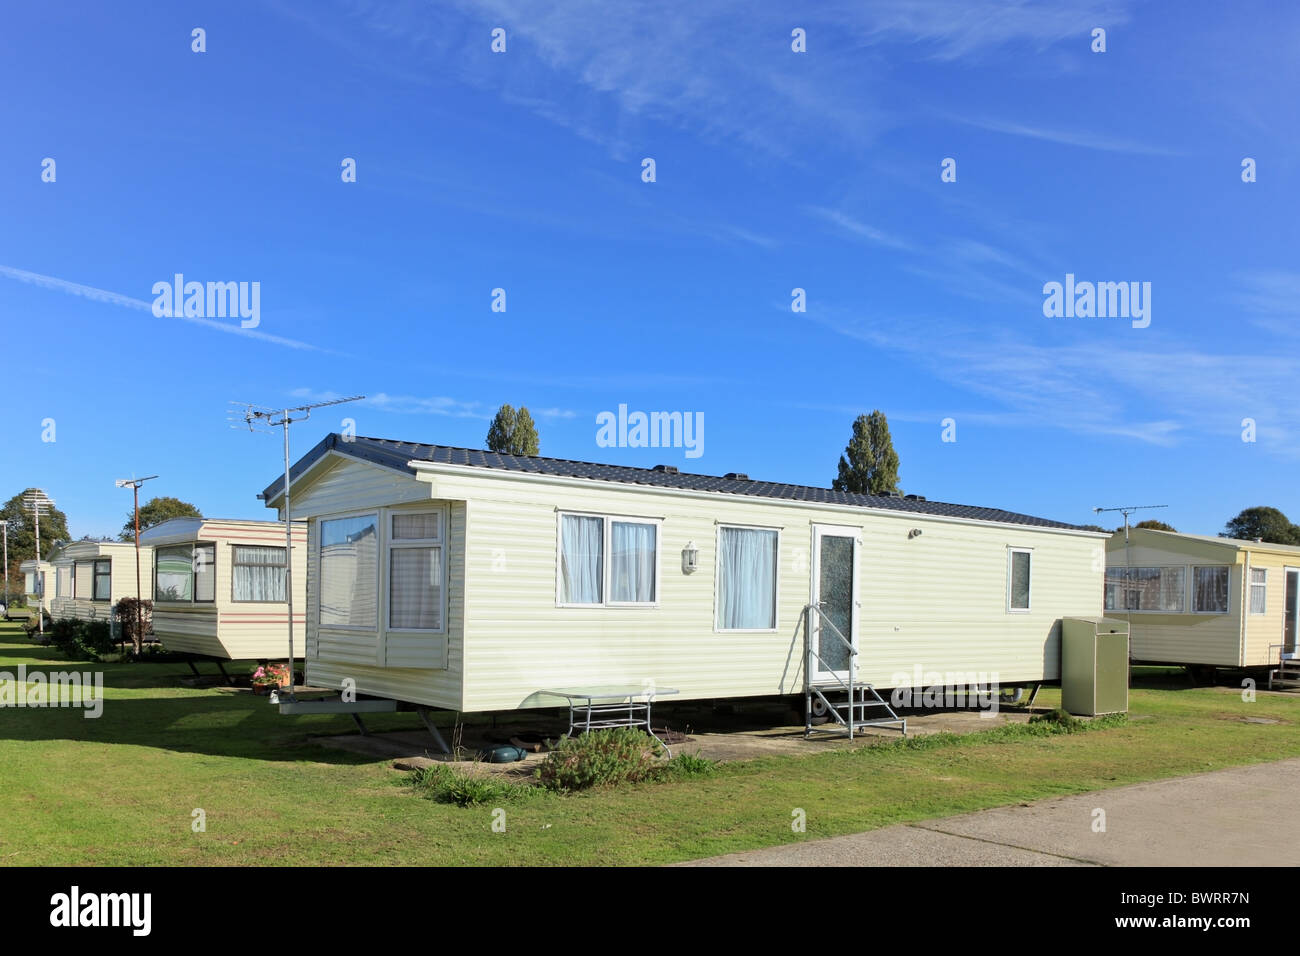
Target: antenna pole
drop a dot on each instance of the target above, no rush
(283, 418)
(134, 484)
(38, 501)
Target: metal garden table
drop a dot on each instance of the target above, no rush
(611, 705)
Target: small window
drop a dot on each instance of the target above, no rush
(349, 568)
(608, 561)
(103, 586)
(257, 573)
(415, 571)
(1210, 590)
(63, 582)
(746, 579)
(1258, 590)
(1018, 580)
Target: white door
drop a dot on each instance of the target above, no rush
(1290, 613)
(835, 591)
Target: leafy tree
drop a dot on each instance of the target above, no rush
(1152, 524)
(869, 465)
(156, 511)
(1095, 527)
(22, 533)
(1267, 524)
(513, 432)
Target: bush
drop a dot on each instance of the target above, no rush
(600, 758)
(466, 788)
(81, 640)
(689, 765)
(1065, 721)
(125, 612)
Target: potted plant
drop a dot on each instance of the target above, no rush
(270, 676)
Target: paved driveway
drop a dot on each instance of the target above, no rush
(1237, 817)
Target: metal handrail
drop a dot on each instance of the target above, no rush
(810, 650)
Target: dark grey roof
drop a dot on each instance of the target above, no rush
(396, 454)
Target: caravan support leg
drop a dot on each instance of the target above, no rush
(433, 729)
(360, 726)
(222, 667)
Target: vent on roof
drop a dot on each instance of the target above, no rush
(893, 494)
(915, 497)
(736, 476)
(666, 469)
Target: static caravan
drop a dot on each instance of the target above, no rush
(1196, 600)
(218, 587)
(464, 579)
(92, 576)
(38, 576)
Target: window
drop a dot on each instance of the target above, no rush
(1018, 562)
(349, 572)
(257, 573)
(103, 584)
(29, 582)
(1258, 590)
(746, 579)
(1210, 590)
(629, 576)
(63, 582)
(1146, 589)
(186, 572)
(415, 571)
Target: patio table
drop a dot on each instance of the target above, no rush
(611, 705)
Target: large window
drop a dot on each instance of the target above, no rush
(746, 579)
(349, 572)
(630, 574)
(1146, 589)
(1258, 590)
(103, 584)
(1210, 590)
(1018, 579)
(415, 560)
(257, 573)
(185, 573)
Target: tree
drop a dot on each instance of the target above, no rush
(1267, 524)
(869, 465)
(156, 511)
(22, 533)
(513, 433)
(1153, 525)
(1095, 527)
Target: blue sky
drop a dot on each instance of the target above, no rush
(774, 170)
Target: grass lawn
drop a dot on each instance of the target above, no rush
(121, 789)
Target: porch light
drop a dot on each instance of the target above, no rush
(690, 558)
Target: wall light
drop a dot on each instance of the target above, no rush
(690, 558)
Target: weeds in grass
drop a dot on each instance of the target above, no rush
(689, 765)
(467, 788)
(1051, 724)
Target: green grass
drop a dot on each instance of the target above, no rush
(121, 789)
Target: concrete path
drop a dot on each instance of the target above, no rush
(1237, 817)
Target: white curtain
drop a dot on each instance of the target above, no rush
(258, 573)
(1211, 589)
(632, 562)
(582, 565)
(415, 587)
(747, 583)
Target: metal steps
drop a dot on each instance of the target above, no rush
(1286, 675)
(866, 708)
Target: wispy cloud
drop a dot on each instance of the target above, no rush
(1083, 139)
(127, 302)
(427, 405)
(860, 229)
(1272, 299)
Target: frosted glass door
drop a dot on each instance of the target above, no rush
(835, 574)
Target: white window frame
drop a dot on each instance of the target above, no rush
(390, 544)
(607, 564)
(1187, 596)
(1029, 597)
(379, 595)
(1250, 590)
(1191, 586)
(234, 563)
(717, 579)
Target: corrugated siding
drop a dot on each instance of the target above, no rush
(336, 654)
(1263, 630)
(937, 602)
(1188, 638)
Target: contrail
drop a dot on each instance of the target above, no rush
(126, 302)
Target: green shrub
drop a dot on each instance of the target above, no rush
(81, 640)
(1065, 721)
(689, 765)
(465, 788)
(600, 758)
